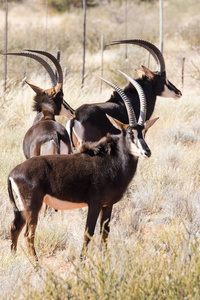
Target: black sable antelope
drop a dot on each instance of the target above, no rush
(91, 123)
(96, 177)
(47, 136)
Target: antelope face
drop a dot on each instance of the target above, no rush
(170, 90)
(60, 106)
(136, 136)
(66, 110)
(161, 85)
(138, 145)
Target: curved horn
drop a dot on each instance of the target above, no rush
(142, 97)
(54, 60)
(41, 61)
(131, 114)
(155, 52)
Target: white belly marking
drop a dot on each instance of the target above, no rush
(62, 205)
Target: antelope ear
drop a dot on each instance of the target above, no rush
(36, 89)
(141, 72)
(148, 72)
(58, 88)
(119, 125)
(149, 123)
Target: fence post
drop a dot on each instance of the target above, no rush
(161, 26)
(125, 33)
(5, 45)
(46, 29)
(102, 50)
(183, 72)
(58, 59)
(84, 41)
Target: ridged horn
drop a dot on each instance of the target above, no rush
(41, 61)
(142, 97)
(155, 52)
(53, 59)
(131, 114)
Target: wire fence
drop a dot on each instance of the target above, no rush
(84, 44)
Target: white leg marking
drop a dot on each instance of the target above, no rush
(68, 127)
(64, 149)
(18, 200)
(48, 148)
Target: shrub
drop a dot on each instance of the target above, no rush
(62, 5)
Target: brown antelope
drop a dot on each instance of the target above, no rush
(59, 106)
(91, 123)
(47, 136)
(96, 177)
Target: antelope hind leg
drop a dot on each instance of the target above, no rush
(16, 227)
(48, 148)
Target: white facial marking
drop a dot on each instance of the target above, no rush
(18, 199)
(62, 205)
(136, 147)
(65, 112)
(168, 93)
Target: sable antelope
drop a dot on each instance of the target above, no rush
(90, 122)
(58, 105)
(96, 177)
(47, 136)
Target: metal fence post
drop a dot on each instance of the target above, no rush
(161, 26)
(84, 41)
(5, 45)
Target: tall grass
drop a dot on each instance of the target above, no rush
(153, 247)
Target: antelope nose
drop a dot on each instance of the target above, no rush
(178, 94)
(148, 153)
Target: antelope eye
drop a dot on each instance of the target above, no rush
(132, 135)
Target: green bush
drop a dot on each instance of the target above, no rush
(2, 2)
(62, 5)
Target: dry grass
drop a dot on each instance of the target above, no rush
(153, 248)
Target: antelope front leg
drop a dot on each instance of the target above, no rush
(93, 213)
(105, 223)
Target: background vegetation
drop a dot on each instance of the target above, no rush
(153, 249)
